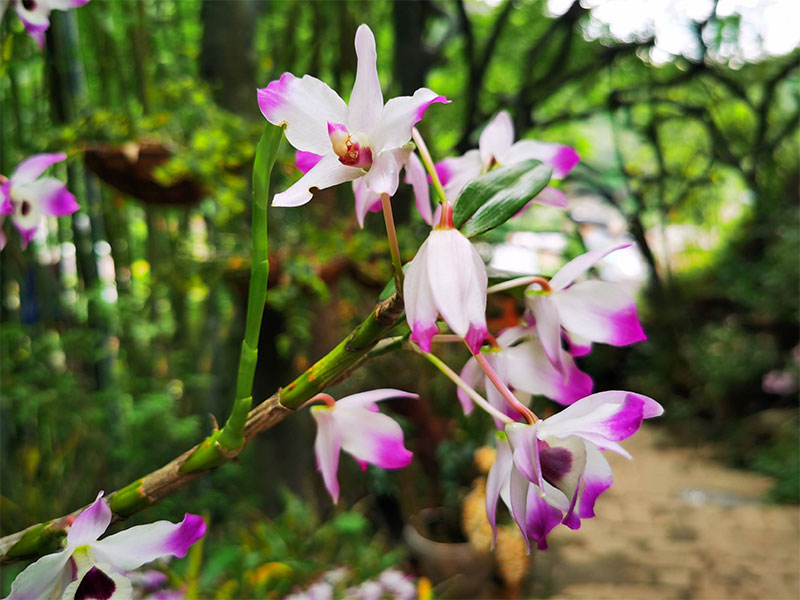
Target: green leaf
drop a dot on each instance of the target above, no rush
(494, 198)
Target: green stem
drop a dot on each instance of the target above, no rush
(394, 248)
(428, 162)
(452, 376)
(230, 439)
(509, 397)
(348, 353)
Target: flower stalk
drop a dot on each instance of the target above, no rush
(509, 397)
(394, 248)
(429, 166)
(452, 376)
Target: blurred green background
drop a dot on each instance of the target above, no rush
(121, 326)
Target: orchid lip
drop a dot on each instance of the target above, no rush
(351, 148)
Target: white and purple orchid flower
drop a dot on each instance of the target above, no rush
(28, 198)
(447, 277)
(496, 147)
(588, 311)
(552, 472)
(92, 568)
(365, 139)
(35, 14)
(369, 201)
(522, 365)
(353, 424)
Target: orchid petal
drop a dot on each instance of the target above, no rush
(366, 200)
(551, 196)
(603, 418)
(496, 139)
(326, 448)
(540, 518)
(42, 578)
(306, 161)
(472, 375)
(372, 437)
(30, 168)
(457, 279)
(579, 265)
(90, 524)
(416, 176)
(524, 443)
(366, 99)
(421, 310)
(578, 345)
(597, 479)
(519, 489)
(600, 312)
(6, 208)
(456, 173)
(548, 327)
(531, 371)
(384, 174)
(327, 173)
(53, 197)
(399, 116)
(368, 399)
(130, 549)
(511, 335)
(305, 105)
(476, 303)
(562, 158)
(498, 475)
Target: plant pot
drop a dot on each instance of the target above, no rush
(451, 563)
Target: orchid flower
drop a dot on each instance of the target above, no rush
(365, 139)
(35, 14)
(369, 201)
(92, 568)
(447, 277)
(496, 147)
(353, 424)
(28, 197)
(521, 364)
(589, 311)
(552, 472)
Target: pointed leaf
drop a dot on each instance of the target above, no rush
(494, 198)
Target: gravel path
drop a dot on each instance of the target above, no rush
(675, 524)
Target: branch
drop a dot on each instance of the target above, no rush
(333, 367)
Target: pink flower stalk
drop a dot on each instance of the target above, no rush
(369, 201)
(353, 424)
(366, 138)
(552, 472)
(447, 277)
(92, 568)
(28, 198)
(522, 365)
(496, 147)
(35, 14)
(589, 311)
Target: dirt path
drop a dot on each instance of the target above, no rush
(676, 524)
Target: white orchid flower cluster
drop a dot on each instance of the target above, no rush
(548, 471)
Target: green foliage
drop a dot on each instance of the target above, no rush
(492, 199)
(271, 557)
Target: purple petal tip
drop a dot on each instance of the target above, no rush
(191, 529)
